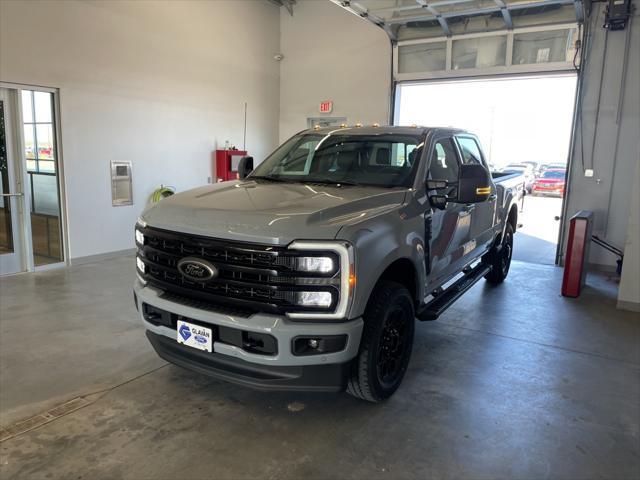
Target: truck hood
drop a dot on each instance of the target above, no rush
(272, 213)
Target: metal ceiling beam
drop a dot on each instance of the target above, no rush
(506, 15)
(441, 20)
(288, 4)
(480, 11)
(363, 12)
(579, 10)
(393, 24)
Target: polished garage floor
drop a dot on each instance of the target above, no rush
(512, 382)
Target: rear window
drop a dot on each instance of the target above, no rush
(553, 174)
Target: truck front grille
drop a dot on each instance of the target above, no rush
(251, 277)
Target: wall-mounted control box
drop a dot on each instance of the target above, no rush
(121, 187)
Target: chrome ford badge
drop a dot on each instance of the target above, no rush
(197, 270)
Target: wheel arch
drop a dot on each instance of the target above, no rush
(402, 271)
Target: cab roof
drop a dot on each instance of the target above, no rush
(370, 130)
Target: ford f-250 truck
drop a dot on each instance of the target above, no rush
(308, 272)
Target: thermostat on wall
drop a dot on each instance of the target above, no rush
(121, 189)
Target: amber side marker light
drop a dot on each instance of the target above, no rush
(483, 190)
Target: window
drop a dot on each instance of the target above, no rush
(558, 174)
(422, 57)
(380, 160)
(38, 131)
(470, 150)
(298, 160)
(40, 156)
(544, 47)
(444, 162)
(482, 52)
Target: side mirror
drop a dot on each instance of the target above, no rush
(245, 167)
(439, 201)
(437, 184)
(474, 184)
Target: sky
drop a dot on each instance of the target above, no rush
(516, 119)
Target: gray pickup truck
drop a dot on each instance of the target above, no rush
(308, 273)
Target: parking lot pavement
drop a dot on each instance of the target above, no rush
(537, 239)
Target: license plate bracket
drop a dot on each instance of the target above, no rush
(194, 336)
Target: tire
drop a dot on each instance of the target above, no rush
(501, 261)
(386, 344)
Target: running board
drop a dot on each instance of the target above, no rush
(444, 300)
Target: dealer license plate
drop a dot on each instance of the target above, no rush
(195, 336)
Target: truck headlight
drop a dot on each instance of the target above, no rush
(314, 299)
(140, 264)
(139, 237)
(325, 257)
(315, 264)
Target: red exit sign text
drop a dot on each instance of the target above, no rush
(326, 106)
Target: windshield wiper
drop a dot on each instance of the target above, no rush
(331, 182)
(266, 177)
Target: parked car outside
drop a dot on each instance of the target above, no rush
(534, 166)
(526, 170)
(551, 182)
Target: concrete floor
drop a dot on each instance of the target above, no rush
(512, 382)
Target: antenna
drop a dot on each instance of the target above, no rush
(244, 138)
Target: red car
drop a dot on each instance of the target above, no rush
(551, 182)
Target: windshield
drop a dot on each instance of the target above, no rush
(553, 174)
(381, 160)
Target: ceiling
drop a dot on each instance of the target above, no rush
(410, 19)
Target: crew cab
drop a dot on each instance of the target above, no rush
(309, 271)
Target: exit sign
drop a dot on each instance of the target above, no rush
(326, 106)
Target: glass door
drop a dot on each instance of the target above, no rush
(31, 227)
(40, 154)
(12, 251)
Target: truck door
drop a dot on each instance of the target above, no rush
(483, 213)
(450, 228)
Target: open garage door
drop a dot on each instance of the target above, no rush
(504, 69)
(524, 124)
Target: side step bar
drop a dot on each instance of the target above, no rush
(444, 300)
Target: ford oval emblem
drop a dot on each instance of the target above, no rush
(197, 270)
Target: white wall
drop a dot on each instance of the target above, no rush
(158, 83)
(629, 292)
(617, 147)
(330, 54)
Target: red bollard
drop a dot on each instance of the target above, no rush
(575, 265)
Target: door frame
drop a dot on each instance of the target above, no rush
(17, 204)
(60, 177)
(394, 113)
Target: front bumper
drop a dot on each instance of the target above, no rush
(280, 371)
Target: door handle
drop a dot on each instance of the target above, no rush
(12, 194)
(466, 211)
